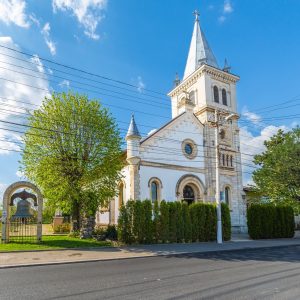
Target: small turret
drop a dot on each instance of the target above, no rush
(133, 138)
(226, 67)
(176, 80)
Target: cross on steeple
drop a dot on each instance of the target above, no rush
(196, 14)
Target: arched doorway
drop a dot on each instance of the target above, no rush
(190, 189)
(188, 194)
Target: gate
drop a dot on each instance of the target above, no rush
(23, 230)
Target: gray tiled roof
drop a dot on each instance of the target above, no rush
(133, 130)
(199, 52)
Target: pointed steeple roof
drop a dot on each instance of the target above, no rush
(132, 130)
(199, 52)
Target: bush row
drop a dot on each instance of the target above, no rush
(269, 221)
(144, 222)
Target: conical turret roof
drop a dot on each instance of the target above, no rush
(133, 130)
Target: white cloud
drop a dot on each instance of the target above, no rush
(34, 20)
(252, 117)
(20, 174)
(254, 144)
(222, 19)
(13, 12)
(12, 93)
(65, 83)
(227, 8)
(39, 65)
(88, 13)
(3, 187)
(140, 84)
(46, 34)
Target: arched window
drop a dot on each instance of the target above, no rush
(216, 94)
(227, 195)
(154, 191)
(192, 96)
(121, 194)
(223, 159)
(155, 187)
(227, 160)
(231, 161)
(224, 97)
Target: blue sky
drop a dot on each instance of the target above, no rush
(144, 43)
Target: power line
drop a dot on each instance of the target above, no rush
(48, 73)
(80, 70)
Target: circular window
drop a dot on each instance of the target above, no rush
(189, 149)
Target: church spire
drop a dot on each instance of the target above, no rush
(199, 52)
(132, 130)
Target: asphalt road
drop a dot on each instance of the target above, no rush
(248, 274)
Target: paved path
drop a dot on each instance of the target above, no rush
(272, 273)
(79, 255)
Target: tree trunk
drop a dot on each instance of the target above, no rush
(76, 218)
(87, 228)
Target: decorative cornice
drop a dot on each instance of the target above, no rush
(211, 109)
(214, 72)
(171, 166)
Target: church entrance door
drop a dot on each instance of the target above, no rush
(188, 194)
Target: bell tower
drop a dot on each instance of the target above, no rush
(210, 90)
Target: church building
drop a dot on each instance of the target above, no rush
(177, 162)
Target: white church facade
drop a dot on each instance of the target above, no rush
(177, 162)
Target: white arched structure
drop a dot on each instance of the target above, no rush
(194, 182)
(6, 208)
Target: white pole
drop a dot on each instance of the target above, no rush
(218, 202)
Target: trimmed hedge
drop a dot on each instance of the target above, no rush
(144, 222)
(267, 221)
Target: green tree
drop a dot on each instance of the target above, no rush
(148, 222)
(187, 226)
(156, 221)
(164, 221)
(73, 153)
(279, 174)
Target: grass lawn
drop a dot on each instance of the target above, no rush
(51, 242)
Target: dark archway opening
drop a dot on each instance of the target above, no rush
(188, 194)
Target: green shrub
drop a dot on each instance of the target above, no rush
(164, 221)
(142, 222)
(111, 233)
(138, 221)
(210, 223)
(147, 221)
(194, 222)
(125, 232)
(172, 222)
(63, 228)
(186, 221)
(226, 222)
(156, 222)
(270, 221)
(179, 222)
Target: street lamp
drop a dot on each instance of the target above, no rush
(218, 202)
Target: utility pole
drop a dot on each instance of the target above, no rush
(217, 123)
(218, 202)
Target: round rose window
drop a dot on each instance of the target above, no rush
(189, 148)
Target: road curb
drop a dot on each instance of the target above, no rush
(207, 252)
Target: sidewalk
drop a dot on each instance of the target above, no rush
(239, 242)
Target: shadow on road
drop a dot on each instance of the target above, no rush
(291, 254)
